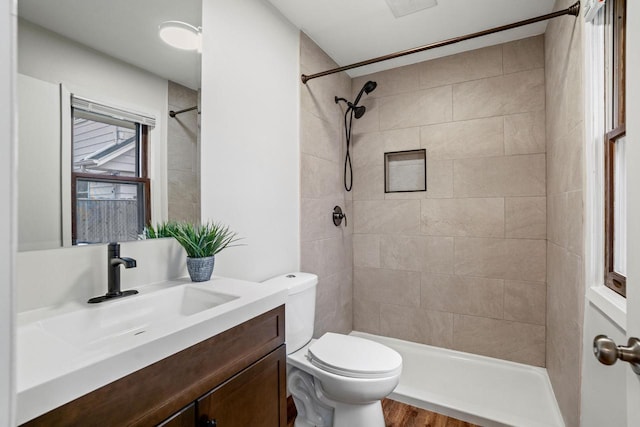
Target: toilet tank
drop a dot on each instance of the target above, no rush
(300, 307)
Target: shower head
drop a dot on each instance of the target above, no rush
(359, 111)
(368, 87)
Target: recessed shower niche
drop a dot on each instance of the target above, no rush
(405, 171)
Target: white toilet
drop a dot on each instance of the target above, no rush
(336, 380)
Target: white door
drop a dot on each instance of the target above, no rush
(611, 394)
(633, 133)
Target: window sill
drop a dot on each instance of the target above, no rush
(610, 303)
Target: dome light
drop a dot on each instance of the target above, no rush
(180, 35)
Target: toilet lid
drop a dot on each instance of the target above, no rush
(354, 357)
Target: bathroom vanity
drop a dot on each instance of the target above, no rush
(236, 376)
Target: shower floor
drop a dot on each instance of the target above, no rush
(477, 389)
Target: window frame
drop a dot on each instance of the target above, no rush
(142, 157)
(615, 100)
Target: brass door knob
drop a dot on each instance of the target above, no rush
(608, 353)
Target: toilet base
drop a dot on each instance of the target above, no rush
(368, 415)
(316, 410)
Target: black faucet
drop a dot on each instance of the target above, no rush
(114, 261)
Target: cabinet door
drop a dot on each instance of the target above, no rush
(184, 418)
(255, 397)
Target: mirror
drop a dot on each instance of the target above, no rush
(99, 154)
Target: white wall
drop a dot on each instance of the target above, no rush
(88, 73)
(250, 121)
(8, 231)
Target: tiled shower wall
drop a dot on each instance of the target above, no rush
(565, 170)
(183, 159)
(462, 265)
(326, 249)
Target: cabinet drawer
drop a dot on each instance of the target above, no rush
(151, 395)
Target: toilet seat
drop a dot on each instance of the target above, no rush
(354, 357)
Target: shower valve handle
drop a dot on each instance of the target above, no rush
(338, 216)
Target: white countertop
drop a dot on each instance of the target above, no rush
(52, 371)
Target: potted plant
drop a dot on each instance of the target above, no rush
(201, 241)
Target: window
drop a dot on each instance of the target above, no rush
(110, 187)
(614, 151)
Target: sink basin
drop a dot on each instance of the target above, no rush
(99, 325)
(67, 351)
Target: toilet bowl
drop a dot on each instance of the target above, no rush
(335, 380)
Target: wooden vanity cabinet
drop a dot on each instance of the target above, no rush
(234, 379)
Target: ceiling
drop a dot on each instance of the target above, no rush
(355, 30)
(124, 29)
(348, 30)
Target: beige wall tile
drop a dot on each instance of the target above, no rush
(334, 311)
(402, 252)
(500, 176)
(564, 281)
(327, 304)
(565, 219)
(325, 249)
(499, 338)
(565, 168)
(524, 133)
(470, 138)
(509, 94)
(320, 178)
(514, 259)
(479, 217)
(367, 149)
(474, 296)
(525, 302)
(387, 286)
(438, 255)
(390, 82)
(320, 138)
(462, 67)
(366, 250)
(430, 254)
(386, 216)
(366, 316)
(419, 108)
(524, 54)
(325, 257)
(493, 150)
(401, 139)
(526, 217)
(317, 97)
(368, 183)
(439, 178)
(415, 324)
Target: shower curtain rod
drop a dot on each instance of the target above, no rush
(571, 10)
(175, 113)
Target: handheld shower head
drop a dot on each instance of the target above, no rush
(368, 87)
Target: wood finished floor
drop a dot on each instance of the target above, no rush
(398, 414)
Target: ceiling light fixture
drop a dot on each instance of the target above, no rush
(181, 35)
(407, 7)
